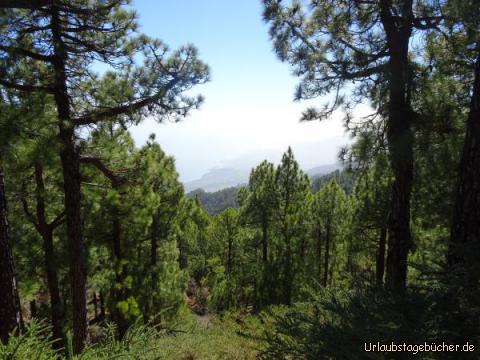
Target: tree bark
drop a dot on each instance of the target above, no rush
(33, 309)
(264, 241)
(465, 232)
(400, 142)
(380, 260)
(46, 232)
(70, 160)
(101, 299)
(10, 313)
(95, 305)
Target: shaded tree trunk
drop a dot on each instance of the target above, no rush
(230, 254)
(10, 313)
(465, 232)
(33, 308)
(70, 160)
(264, 241)
(319, 251)
(380, 260)
(182, 257)
(154, 237)
(95, 305)
(120, 274)
(101, 299)
(53, 288)
(46, 232)
(288, 281)
(327, 253)
(154, 240)
(400, 142)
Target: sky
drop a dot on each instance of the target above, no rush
(249, 113)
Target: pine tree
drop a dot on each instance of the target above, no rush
(291, 219)
(10, 312)
(465, 232)
(332, 44)
(67, 38)
(331, 219)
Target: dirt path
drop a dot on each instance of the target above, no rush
(205, 321)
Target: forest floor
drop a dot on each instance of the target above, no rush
(203, 335)
(209, 337)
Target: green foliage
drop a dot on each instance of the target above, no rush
(33, 343)
(217, 201)
(310, 330)
(191, 338)
(331, 245)
(343, 178)
(312, 253)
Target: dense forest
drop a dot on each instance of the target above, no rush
(103, 255)
(217, 201)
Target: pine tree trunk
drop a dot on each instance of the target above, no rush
(264, 241)
(288, 283)
(182, 257)
(319, 252)
(400, 143)
(10, 314)
(46, 231)
(70, 160)
(327, 254)
(71, 178)
(465, 232)
(95, 305)
(154, 235)
(154, 240)
(380, 260)
(229, 254)
(120, 274)
(53, 289)
(33, 309)
(101, 300)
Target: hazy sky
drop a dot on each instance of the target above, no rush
(248, 111)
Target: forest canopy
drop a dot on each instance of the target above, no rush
(102, 253)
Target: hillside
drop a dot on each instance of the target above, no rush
(217, 201)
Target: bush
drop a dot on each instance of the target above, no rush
(336, 325)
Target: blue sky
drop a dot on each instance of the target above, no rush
(249, 113)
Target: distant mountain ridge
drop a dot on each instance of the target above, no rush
(222, 178)
(218, 179)
(217, 201)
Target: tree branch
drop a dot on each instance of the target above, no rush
(429, 22)
(94, 118)
(27, 53)
(23, 87)
(115, 179)
(59, 220)
(26, 208)
(23, 4)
